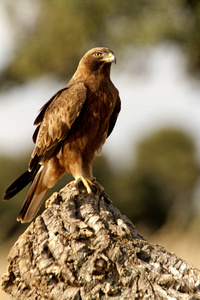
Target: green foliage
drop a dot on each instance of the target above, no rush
(166, 171)
(163, 178)
(170, 155)
(64, 30)
(9, 171)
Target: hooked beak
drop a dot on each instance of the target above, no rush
(110, 58)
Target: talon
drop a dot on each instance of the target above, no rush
(86, 182)
(101, 189)
(97, 184)
(90, 183)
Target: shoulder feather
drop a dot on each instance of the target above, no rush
(57, 117)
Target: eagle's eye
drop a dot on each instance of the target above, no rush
(98, 54)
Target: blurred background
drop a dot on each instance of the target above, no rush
(150, 163)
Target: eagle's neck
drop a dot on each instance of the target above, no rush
(99, 73)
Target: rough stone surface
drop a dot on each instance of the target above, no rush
(81, 247)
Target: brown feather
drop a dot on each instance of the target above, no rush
(72, 126)
(59, 117)
(34, 198)
(20, 183)
(114, 116)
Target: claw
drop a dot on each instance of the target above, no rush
(86, 182)
(101, 189)
(91, 182)
(97, 184)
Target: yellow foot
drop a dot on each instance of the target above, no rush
(86, 182)
(97, 184)
(90, 183)
(100, 188)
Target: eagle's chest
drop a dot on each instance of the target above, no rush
(91, 127)
(98, 111)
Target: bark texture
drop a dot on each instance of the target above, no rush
(81, 247)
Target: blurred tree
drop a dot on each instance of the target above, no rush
(64, 30)
(13, 168)
(10, 169)
(165, 172)
(163, 176)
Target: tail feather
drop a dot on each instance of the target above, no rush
(34, 198)
(20, 183)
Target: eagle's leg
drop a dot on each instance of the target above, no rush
(91, 182)
(101, 189)
(86, 182)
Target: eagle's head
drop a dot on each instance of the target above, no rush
(97, 60)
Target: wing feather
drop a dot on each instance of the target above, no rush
(57, 119)
(111, 125)
(39, 118)
(114, 116)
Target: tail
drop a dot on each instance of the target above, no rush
(20, 183)
(34, 198)
(35, 195)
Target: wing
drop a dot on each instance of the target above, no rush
(112, 122)
(114, 116)
(56, 119)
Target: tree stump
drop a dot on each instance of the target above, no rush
(82, 247)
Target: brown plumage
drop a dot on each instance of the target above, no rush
(71, 127)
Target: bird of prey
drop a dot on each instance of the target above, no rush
(71, 128)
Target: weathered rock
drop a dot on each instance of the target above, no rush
(81, 247)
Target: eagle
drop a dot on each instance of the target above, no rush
(71, 128)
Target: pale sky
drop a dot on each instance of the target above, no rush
(162, 95)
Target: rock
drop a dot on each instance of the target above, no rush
(82, 247)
